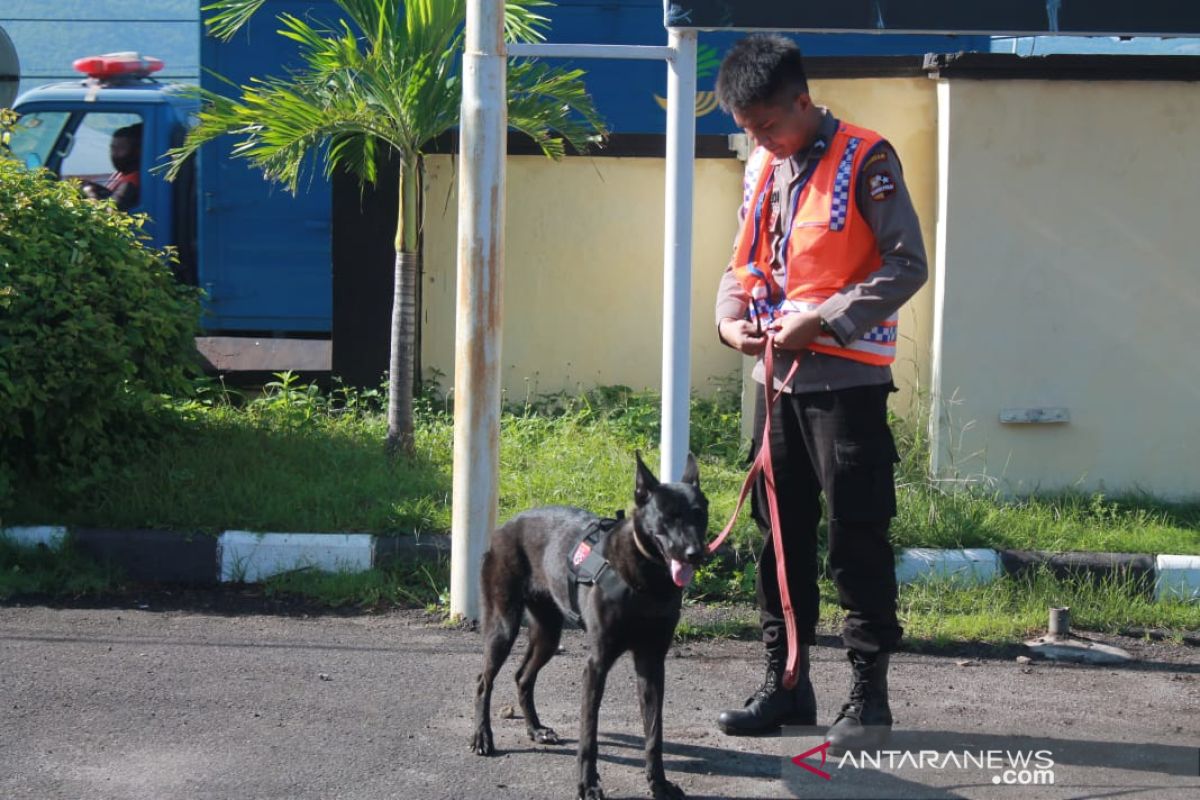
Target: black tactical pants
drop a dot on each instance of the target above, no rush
(837, 442)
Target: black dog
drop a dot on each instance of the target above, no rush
(635, 606)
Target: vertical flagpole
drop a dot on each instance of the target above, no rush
(478, 320)
(677, 252)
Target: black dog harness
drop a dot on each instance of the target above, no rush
(589, 567)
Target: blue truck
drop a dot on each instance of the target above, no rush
(263, 256)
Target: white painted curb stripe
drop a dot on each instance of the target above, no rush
(1177, 577)
(970, 566)
(52, 536)
(251, 557)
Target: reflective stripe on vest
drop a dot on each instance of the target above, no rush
(829, 244)
(876, 346)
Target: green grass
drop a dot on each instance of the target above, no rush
(741, 627)
(289, 460)
(294, 459)
(396, 585)
(1006, 611)
(928, 517)
(1011, 609)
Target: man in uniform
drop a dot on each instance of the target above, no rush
(123, 187)
(828, 249)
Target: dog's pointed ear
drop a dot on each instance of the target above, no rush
(691, 472)
(644, 483)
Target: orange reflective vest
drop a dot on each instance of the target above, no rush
(828, 247)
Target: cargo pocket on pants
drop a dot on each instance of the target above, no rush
(864, 483)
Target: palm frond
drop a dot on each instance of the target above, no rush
(376, 20)
(522, 23)
(278, 125)
(228, 16)
(547, 103)
(386, 75)
(217, 117)
(356, 153)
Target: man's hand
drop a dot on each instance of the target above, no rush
(94, 191)
(797, 331)
(742, 336)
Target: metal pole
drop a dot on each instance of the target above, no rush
(1060, 622)
(624, 51)
(677, 252)
(478, 321)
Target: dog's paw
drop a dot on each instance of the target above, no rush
(665, 790)
(590, 793)
(544, 735)
(481, 743)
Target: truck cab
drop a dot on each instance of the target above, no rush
(261, 255)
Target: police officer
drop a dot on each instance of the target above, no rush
(828, 249)
(123, 187)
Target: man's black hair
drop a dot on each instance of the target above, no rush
(133, 132)
(763, 68)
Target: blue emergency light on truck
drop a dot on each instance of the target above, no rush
(261, 254)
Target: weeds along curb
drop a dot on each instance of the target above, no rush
(243, 556)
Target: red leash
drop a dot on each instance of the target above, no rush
(762, 463)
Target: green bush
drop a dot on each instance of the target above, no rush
(93, 328)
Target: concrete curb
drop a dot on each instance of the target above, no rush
(1137, 567)
(244, 556)
(37, 536)
(973, 566)
(1177, 577)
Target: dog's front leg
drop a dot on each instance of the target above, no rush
(594, 675)
(648, 664)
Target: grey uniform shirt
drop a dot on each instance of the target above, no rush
(882, 198)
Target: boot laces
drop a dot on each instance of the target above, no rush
(858, 698)
(769, 685)
(770, 682)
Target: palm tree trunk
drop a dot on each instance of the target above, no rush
(404, 309)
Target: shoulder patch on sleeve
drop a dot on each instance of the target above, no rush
(880, 154)
(881, 186)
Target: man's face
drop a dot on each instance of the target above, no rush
(125, 153)
(783, 128)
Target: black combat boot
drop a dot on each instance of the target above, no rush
(773, 706)
(865, 723)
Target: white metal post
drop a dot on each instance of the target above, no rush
(635, 52)
(677, 252)
(478, 320)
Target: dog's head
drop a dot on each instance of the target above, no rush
(674, 516)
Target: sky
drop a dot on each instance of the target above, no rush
(50, 34)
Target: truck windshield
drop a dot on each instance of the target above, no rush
(101, 150)
(34, 136)
(90, 155)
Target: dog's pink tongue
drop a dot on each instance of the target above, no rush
(681, 573)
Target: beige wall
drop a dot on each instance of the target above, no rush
(1068, 277)
(1063, 274)
(583, 272)
(583, 277)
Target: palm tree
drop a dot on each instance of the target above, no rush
(384, 77)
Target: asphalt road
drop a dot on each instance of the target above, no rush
(186, 703)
